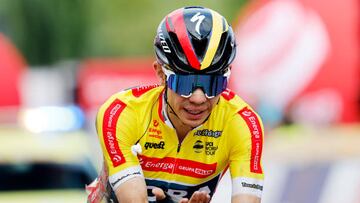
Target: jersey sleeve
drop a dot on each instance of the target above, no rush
(246, 144)
(116, 128)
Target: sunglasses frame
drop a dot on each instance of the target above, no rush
(168, 73)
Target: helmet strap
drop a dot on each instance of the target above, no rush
(167, 103)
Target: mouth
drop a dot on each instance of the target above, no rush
(194, 112)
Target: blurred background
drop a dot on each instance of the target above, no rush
(297, 64)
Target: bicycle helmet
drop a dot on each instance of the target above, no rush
(195, 40)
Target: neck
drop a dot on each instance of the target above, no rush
(181, 129)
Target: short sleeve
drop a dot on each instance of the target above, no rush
(246, 144)
(116, 127)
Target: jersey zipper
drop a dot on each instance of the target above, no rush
(175, 164)
(176, 160)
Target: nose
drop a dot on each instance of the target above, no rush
(198, 97)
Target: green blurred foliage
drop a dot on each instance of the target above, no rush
(47, 31)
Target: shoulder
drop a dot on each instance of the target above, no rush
(230, 100)
(140, 97)
(232, 105)
(135, 95)
(240, 116)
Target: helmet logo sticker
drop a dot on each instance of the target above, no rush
(199, 18)
(163, 42)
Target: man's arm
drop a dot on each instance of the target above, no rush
(133, 190)
(244, 198)
(117, 129)
(246, 143)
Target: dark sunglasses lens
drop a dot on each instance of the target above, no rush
(212, 85)
(180, 84)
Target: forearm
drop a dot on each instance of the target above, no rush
(133, 190)
(243, 198)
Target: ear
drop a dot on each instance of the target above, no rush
(159, 72)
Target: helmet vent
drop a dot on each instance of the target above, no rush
(200, 47)
(177, 48)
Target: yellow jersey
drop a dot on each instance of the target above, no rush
(231, 137)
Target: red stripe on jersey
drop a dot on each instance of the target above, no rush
(254, 126)
(111, 117)
(228, 94)
(177, 166)
(138, 91)
(178, 21)
(224, 171)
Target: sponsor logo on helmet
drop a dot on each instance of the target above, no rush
(198, 18)
(208, 133)
(163, 42)
(153, 145)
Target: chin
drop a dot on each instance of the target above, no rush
(193, 120)
(194, 123)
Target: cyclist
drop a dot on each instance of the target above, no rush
(173, 142)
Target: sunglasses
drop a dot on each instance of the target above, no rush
(185, 85)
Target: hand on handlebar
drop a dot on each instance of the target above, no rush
(197, 197)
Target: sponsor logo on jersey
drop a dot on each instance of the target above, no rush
(124, 176)
(198, 146)
(208, 133)
(153, 145)
(254, 126)
(154, 132)
(251, 185)
(208, 147)
(228, 94)
(155, 123)
(177, 166)
(140, 90)
(111, 117)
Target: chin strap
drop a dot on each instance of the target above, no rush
(167, 103)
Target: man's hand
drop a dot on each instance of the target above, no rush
(197, 197)
(159, 194)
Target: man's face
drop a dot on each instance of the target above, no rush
(191, 111)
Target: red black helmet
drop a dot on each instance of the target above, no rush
(195, 40)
